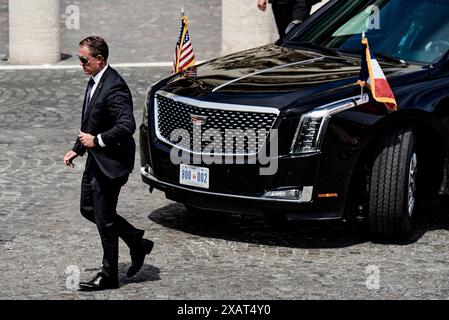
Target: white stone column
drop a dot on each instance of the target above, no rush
(244, 26)
(34, 32)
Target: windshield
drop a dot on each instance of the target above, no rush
(411, 30)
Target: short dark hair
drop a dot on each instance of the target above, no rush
(97, 46)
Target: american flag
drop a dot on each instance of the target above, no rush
(184, 56)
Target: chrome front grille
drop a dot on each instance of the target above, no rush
(174, 112)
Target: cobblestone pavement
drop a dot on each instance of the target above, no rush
(139, 30)
(44, 240)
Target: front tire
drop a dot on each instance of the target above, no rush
(392, 192)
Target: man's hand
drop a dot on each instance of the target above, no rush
(68, 158)
(262, 5)
(86, 139)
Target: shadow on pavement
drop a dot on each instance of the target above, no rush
(280, 232)
(147, 273)
(258, 229)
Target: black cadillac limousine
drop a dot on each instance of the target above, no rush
(285, 129)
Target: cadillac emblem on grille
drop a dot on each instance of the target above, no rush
(198, 119)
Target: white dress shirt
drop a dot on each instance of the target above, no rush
(97, 79)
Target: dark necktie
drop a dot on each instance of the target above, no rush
(90, 85)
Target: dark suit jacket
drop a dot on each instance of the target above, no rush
(110, 112)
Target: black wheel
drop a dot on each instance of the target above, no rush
(392, 191)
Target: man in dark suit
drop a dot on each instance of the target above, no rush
(287, 12)
(107, 128)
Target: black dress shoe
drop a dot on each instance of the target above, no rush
(100, 282)
(138, 256)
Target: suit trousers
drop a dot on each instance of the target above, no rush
(99, 197)
(285, 11)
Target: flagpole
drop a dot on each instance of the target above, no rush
(361, 87)
(361, 92)
(181, 41)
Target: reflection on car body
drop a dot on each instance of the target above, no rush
(340, 154)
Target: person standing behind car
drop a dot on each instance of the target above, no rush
(286, 12)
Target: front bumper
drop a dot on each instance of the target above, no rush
(303, 208)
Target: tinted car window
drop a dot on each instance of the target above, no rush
(412, 30)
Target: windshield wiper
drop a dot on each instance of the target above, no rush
(350, 50)
(389, 57)
(313, 46)
(377, 54)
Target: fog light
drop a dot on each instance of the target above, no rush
(289, 194)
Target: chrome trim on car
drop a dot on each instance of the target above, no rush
(340, 105)
(217, 105)
(266, 70)
(327, 111)
(208, 105)
(305, 197)
(145, 117)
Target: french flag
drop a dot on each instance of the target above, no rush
(372, 76)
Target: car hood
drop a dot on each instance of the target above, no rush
(275, 76)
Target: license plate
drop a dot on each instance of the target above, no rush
(194, 176)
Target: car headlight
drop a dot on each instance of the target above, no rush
(309, 132)
(312, 125)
